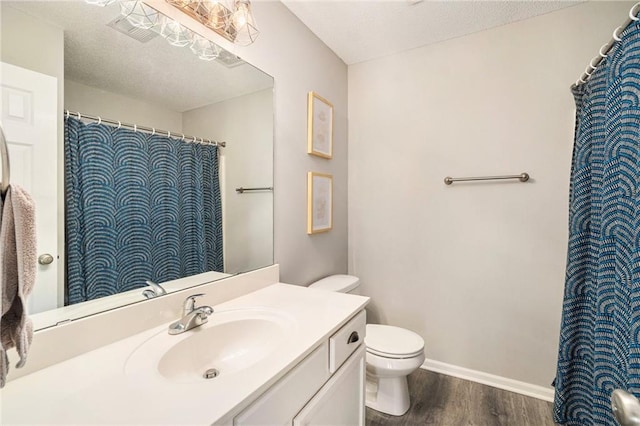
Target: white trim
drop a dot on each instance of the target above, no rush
(528, 389)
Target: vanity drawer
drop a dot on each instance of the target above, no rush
(280, 404)
(346, 340)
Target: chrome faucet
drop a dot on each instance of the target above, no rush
(191, 316)
(155, 290)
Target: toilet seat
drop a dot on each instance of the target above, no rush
(394, 356)
(393, 342)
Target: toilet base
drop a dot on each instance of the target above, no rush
(389, 395)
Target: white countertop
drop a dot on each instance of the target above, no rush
(52, 317)
(94, 389)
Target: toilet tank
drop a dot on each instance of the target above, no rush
(338, 283)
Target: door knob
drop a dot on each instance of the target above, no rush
(45, 259)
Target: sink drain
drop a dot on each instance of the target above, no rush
(211, 373)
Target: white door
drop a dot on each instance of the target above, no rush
(29, 117)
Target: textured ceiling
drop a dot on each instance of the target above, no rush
(99, 56)
(360, 30)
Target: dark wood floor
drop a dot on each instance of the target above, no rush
(437, 399)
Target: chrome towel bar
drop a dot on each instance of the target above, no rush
(522, 177)
(6, 171)
(242, 190)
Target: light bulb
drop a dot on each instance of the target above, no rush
(217, 15)
(242, 15)
(243, 29)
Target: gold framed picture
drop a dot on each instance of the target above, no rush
(319, 126)
(319, 202)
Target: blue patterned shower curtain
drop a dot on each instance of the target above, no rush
(600, 335)
(139, 207)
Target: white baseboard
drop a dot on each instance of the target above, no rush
(499, 382)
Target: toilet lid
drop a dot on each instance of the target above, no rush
(392, 342)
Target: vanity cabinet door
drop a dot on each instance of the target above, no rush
(278, 405)
(341, 399)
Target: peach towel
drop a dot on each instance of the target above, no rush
(18, 264)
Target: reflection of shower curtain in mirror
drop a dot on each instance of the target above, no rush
(139, 207)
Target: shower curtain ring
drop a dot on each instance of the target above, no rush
(182, 138)
(616, 36)
(603, 55)
(135, 128)
(597, 58)
(79, 116)
(99, 120)
(168, 134)
(633, 13)
(67, 113)
(119, 124)
(154, 131)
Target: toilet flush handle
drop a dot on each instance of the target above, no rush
(353, 337)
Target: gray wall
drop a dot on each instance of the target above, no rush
(476, 269)
(82, 98)
(299, 62)
(247, 123)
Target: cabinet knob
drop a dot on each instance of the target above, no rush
(45, 259)
(353, 337)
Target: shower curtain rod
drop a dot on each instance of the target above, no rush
(152, 130)
(602, 53)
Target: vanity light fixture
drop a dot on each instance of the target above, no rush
(232, 19)
(145, 17)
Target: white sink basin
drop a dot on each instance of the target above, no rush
(229, 343)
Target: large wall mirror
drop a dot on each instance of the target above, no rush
(117, 134)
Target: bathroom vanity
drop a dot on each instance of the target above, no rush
(279, 355)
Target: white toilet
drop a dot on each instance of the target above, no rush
(392, 354)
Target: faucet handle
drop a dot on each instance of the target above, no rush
(156, 290)
(206, 310)
(190, 303)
